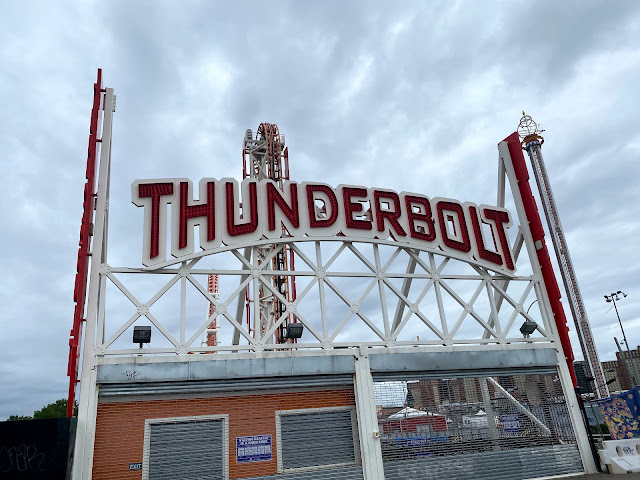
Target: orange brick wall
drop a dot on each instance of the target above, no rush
(120, 425)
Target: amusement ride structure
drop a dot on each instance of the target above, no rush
(532, 141)
(394, 288)
(211, 333)
(267, 157)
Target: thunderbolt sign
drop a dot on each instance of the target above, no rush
(311, 209)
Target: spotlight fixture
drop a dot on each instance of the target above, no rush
(141, 335)
(615, 296)
(294, 330)
(527, 328)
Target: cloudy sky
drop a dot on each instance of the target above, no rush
(411, 98)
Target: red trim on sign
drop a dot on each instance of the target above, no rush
(350, 208)
(207, 210)
(154, 191)
(84, 245)
(484, 254)
(409, 201)
(314, 222)
(391, 215)
(274, 197)
(463, 245)
(501, 219)
(234, 229)
(537, 232)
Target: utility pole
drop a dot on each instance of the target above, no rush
(612, 298)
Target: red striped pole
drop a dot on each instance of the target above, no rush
(84, 254)
(537, 232)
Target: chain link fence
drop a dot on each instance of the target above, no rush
(497, 427)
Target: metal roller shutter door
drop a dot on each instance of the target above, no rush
(319, 444)
(353, 472)
(186, 450)
(535, 462)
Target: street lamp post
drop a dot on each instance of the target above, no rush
(612, 298)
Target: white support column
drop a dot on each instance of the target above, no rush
(368, 433)
(545, 309)
(241, 297)
(576, 415)
(491, 418)
(501, 184)
(88, 402)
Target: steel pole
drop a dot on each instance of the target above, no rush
(624, 337)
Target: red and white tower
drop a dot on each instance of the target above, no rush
(532, 142)
(266, 157)
(211, 333)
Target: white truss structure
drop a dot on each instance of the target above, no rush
(352, 293)
(377, 269)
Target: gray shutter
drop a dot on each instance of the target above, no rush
(349, 472)
(316, 439)
(534, 462)
(190, 450)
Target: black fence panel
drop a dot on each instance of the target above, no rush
(35, 449)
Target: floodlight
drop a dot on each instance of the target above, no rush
(528, 327)
(294, 330)
(141, 335)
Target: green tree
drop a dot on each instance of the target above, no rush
(19, 417)
(58, 409)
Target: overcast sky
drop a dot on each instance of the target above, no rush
(411, 98)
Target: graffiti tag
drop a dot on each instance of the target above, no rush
(21, 458)
(130, 375)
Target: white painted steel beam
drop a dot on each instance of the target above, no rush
(520, 407)
(88, 401)
(406, 285)
(547, 315)
(491, 418)
(368, 431)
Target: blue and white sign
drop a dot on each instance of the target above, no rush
(510, 423)
(256, 448)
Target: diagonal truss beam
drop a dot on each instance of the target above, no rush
(386, 325)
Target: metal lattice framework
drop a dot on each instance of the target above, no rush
(351, 292)
(266, 157)
(376, 271)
